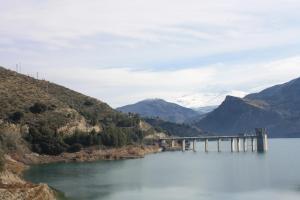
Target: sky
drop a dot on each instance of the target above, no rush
(191, 52)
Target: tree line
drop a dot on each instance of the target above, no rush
(44, 140)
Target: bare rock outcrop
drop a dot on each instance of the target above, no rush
(13, 187)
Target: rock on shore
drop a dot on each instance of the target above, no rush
(13, 187)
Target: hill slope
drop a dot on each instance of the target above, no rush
(47, 116)
(160, 108)
(284, 98)
(276, 108)
(60, 106)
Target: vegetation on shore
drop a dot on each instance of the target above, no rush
(172, 128)
(44, 140)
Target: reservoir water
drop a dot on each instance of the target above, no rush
(183, 175)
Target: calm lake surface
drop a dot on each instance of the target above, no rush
(183, 175)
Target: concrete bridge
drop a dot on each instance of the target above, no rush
(258, 141)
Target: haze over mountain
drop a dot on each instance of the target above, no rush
(160, 108)
(205, 109)
(276, 108)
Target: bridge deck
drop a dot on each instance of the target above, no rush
(211, 137)
(259, 139)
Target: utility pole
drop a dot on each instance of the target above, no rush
(47, 87)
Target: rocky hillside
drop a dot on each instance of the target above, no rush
(159, 108)
(276, 108)
(30, 101)
(53, 118)
(284, 98)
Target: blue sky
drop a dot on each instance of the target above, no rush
(193, 52)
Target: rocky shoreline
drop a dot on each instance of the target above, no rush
(12, 186)
(89, 155)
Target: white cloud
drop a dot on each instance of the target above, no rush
(190, 87)
(116, 50)
(235, 22)
(202, 99)
(142, 33)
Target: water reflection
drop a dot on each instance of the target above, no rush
(182, 175)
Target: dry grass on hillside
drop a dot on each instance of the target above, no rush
(19, 93)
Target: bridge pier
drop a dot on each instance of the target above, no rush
(252, 144)
(261, 140)
(245, 144)
(183, 145)
(172, 143)
(232, 145)
(206, 145)
(219, 141)
(194, 145)
(238, 144)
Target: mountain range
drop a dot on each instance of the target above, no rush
(276, 108)
(160, 108)
(39, 103)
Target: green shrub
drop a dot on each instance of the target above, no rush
(16, 117)
(88, 103)
(173, 128)
(38, 108)
(75, 148)
(1, 161)
(123, 120)
(45, 141)
(114, 136)
(9, 141)
(52, 107)
(52, 147)
(83, 138)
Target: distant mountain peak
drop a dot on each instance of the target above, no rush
(160, 108)
(276, 108)
(152, 100)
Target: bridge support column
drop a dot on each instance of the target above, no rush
(219, 141)
(262, 140)
(232, 145)
(252, 144)
(238, 144)
(183, 145)
(245, 144)
(194, 145)
(172, 143)
(162, 142)
(206, 145)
